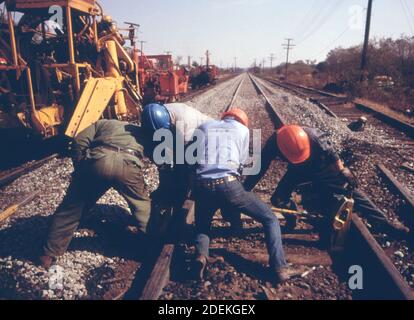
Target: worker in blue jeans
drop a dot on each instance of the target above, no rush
(217, 186)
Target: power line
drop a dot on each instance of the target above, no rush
(300, 26)
(406, 15)
(321, 22)
(334, 41)
(314, 18)
(409, 10)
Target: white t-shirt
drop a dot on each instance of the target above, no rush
(186, 119)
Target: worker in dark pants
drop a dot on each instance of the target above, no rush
(312, 158)
(217, 186)
(107, 154)
(181, 120)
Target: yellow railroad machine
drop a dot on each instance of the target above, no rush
(63, 66)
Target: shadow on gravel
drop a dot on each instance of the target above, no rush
(249, 267)
(112, 235)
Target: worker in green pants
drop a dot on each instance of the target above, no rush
(108, 154)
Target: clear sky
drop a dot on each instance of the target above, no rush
(252, 29)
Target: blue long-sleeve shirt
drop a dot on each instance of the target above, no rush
(225, 148)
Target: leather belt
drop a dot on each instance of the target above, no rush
(216, 182)
(120, 150)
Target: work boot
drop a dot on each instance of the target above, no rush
(199, 266)
(47, 261)
(283, 274)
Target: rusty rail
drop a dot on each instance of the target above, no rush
(9, 178)
(231, 104)
(160, 274)
(400, 188)
(405, 127)
(382, 272)
(11, 210)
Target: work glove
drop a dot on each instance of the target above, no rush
(350, 179)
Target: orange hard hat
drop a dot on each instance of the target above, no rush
(294, 143)
(238, 114)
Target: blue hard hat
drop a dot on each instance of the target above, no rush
(155, 116)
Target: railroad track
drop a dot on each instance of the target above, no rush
(24, 169)
(20, 234)
(372, 257)
(157, 278)
(160, 274)
(381, 278)
(339, 106)
(194, 93)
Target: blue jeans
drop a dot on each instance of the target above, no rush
(233, 196)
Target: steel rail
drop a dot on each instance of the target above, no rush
(236, 93)
(382, 273)
(159, 276)
(401, 190)
(15, 174)
(402, 126)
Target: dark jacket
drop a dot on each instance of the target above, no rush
(111, 133)
(323, 157)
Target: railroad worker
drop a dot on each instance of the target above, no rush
(358, 125)
(181, 120)
(107, 154)
(217, 186)
(312, 158)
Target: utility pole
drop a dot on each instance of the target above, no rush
(287, 46)
(366, 42)
(263, 64)
(189, 61)
(208, 54)
(235, 64)
(272, 56)
(142, 47)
